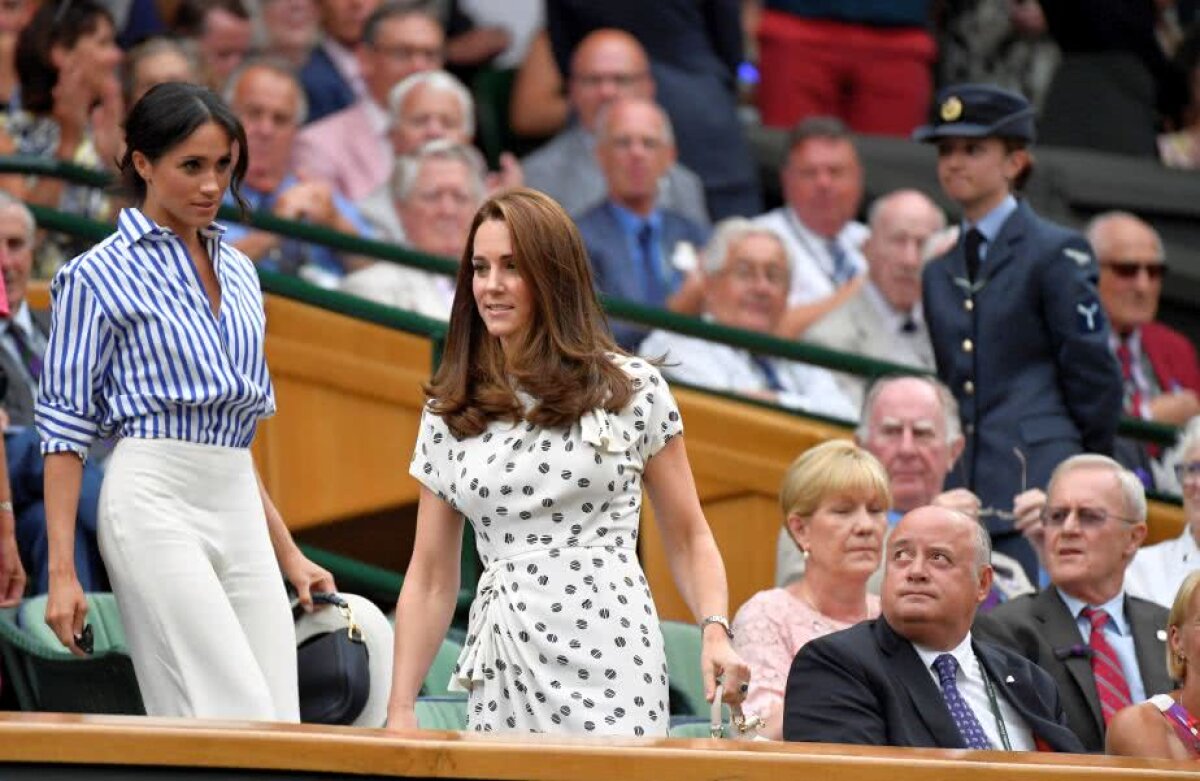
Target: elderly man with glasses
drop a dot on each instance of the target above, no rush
(1159, 370)
(1105, 649)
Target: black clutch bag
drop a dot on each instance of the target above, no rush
(333, 669)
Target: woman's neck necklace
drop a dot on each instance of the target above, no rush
(843, 607)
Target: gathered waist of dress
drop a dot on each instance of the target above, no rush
(560, 550)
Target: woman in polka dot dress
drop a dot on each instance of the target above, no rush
(541, 433)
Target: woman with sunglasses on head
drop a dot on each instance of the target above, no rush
(1167, 726)
(157, 338)
(1018, 332)
(1157, 570)
(542, 433)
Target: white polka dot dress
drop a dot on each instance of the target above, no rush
(563, 634)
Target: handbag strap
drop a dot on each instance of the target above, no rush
(336, 600)
(742, 727)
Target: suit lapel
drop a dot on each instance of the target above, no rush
(908, 670)
(1151, 651)
(1061, 631)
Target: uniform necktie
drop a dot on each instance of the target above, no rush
(971, 246)
(768, 371)
(1106, 667)
(29, 357)
(843, 272)
(969, 727)
(1133, 396)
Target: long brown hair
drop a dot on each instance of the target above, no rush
(561, 359)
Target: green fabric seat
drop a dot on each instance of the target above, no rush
(682, 644)
(445, 713)
(46, 677)
(436, 680)
(103, 614)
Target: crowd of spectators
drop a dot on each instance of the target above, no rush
(362, 117)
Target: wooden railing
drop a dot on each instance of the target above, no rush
(88, 745)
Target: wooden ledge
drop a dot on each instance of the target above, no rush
(133, 741)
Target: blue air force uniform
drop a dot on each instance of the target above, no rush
(1023, 347)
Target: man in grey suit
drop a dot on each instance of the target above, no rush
(1104, 648)
(883, 319)
(608, 64)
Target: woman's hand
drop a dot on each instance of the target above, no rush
(402, 719)
(66, 609)
(106, 117)
(719, 660)
(306, 577)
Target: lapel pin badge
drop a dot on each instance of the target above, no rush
(1010, 679)
(1161, 635)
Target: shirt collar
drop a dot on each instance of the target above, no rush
(631, 223)
(1133, 341)
(134, 225)
(993, 221)
(22, 318)
(1115, 608)
(893, 317)
(961, 652)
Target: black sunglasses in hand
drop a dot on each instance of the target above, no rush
(86, 640)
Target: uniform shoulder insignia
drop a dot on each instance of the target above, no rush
(1079, 256)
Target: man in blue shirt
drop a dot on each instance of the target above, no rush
(637, 248)
(268, 100)
(1018, 332)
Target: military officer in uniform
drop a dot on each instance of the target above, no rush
(1017, 328)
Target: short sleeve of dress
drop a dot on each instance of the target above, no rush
(432, 457)
(652, 409)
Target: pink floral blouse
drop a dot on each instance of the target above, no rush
(768, 631)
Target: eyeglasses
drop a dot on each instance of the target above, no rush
(1187, 471)
(1128, 269)
(618, 80)
(1088, 517)
(776, 276)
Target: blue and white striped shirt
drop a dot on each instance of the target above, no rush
(134, 347)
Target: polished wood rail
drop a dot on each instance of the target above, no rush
(91, 743)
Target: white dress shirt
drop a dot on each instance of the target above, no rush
(971, 686)
(1157, 571)
(812, 265)
(730, 369)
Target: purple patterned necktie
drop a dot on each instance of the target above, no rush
(972, 732)
(29, 357)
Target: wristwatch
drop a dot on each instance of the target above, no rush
(722, 620)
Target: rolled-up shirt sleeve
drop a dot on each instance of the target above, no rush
(69, 408)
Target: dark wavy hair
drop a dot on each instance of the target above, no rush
(60, 23)
(164, 118)
(561, 361)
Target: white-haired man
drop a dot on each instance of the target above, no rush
(883, 319)
(1105, 649)
(436, 191)
(746, 277)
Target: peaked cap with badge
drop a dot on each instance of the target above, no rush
(978, 111)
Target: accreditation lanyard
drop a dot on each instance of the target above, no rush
(995, 706)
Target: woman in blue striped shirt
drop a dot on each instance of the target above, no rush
(157, 337)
